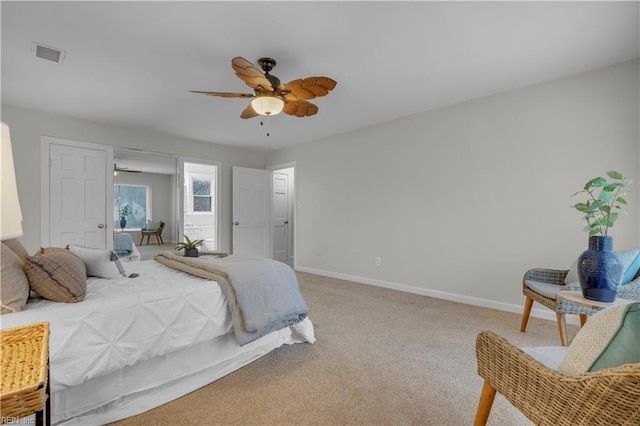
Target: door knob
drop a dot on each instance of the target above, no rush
(286, 222)
(236, 223)
(101, 226)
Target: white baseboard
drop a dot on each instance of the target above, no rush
(543, 313)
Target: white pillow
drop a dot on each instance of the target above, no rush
(572, 275)
(101, 263)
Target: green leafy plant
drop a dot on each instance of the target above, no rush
(188, 244)
(604, 203)
(124, 210)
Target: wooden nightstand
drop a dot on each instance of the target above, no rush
(24, 369)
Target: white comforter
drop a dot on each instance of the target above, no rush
(124, 321)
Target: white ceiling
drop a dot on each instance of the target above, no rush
(132, 64)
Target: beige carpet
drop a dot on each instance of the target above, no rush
(149, 251)
(382, 357)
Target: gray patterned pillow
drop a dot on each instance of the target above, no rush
(14, 286)
(57, 274)
(16, 246)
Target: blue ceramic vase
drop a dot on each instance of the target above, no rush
(600, 270)
(123, 222)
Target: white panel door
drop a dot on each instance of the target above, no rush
(280, 219)
(251, 212)
(77, 196)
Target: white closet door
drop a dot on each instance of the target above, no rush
(251, 212)
(77, 196)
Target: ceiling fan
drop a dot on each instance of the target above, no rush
(117, 170)
(270, 97)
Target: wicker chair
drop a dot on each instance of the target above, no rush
(556, 277)
(605, 397)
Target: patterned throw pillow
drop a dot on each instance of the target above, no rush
(610, 338)
(99, 262)
(57, 274)
(14, 286)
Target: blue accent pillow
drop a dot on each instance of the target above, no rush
(630, 264)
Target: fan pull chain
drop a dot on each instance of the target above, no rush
(261, 123)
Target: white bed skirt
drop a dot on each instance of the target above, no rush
(154, 382)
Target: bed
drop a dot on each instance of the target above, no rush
(139, 341)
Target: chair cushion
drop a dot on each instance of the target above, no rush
(154, 226)
(546, 289)
(14, 286)
(610, 338)
(550, 356)
(101, 263)
(57, 275)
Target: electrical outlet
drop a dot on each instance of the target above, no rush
(378, 261)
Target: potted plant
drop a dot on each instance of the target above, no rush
(190, 247)
(599, 268)
(123, 212)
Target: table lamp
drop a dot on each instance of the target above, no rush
(11, 215)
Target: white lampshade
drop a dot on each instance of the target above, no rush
(267, 105)
(11, 219)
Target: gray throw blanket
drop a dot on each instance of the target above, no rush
(263, 294)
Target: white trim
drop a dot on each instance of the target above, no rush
(437, 294)
(45, 150)
(294, 165)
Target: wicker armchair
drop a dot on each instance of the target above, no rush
(630, 290)
(606, 397)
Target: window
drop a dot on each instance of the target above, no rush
(201, 190)
(136, 199)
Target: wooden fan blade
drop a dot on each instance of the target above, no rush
(310, 87)
(300, 108)
(249, 112)
(251, 75)
(225, 94)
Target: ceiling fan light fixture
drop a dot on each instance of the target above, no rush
(267, 105)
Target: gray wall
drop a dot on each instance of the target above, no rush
(28, 126)
(460, 202)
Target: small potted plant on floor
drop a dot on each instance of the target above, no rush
(190, 247)
(599, 268)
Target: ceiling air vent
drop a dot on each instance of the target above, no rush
(48, 52)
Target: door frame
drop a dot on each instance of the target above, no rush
(176, 188)
(218, 197)
(45, 205)
(287, 165)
